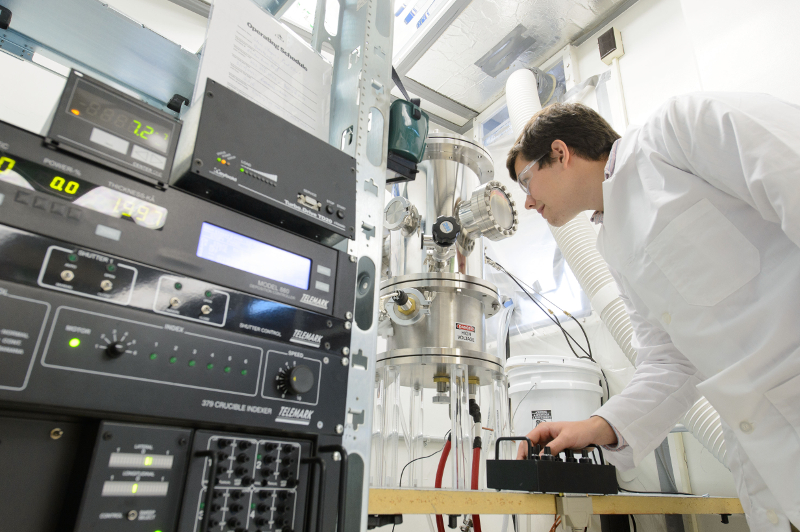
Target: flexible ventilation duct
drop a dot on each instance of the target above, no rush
(578, 243)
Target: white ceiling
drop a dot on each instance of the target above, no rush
(448, 67)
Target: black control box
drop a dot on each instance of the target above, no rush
(550, 473)
(236, 153)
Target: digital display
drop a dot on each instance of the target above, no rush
(81, 193)
(94, 105)
(248, 255)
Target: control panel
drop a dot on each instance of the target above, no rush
(136, 478)
(185, 363)
(251, 160)
(53, 194)
(257, 484)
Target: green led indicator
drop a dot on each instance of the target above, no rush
(75, 342)
(241, 169)
(258, 457)
(208, 293)
(178, 286)
(244, 372)
(72, 257)
(111, 267)
(253, 506)
(219, 159)
(153, 356)
(192, 363)
(172, 360)
(227, 369)
(210, 366)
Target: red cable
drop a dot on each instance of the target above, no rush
(476, 463)
(438, 483)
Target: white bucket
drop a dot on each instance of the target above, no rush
(551, 388)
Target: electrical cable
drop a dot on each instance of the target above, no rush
(550, 314)
(438, 481)
(660, 492)
(476, 463)
(567, 336)
(634, 522)
(400, 484)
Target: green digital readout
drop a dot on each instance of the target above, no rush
(88, 102)
(82, 193)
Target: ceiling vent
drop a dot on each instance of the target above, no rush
(505, 52)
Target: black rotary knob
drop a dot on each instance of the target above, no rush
(298, 380)
(445, 230)
(116, 349)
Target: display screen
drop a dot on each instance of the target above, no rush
(100, 108)
(81, 193)
(248, 255)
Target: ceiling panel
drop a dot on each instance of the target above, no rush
(448, 67)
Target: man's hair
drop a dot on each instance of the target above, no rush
(584, 131)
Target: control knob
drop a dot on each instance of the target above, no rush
(297, 380)
(115, 349)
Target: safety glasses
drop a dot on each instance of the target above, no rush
(524, 177)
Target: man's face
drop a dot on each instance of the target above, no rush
(551, 190)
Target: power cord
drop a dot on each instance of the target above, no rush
(634, 522)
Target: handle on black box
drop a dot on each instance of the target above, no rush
(511, 438)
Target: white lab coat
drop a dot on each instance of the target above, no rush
(702, 232)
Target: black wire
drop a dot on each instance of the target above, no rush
(422, 458)
(634, 522)
(659, 492)
(551, 315)
(599, 451)
(552, 318)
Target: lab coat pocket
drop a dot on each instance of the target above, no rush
(785, 398)
(704, 256)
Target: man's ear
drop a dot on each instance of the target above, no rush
(561, 152)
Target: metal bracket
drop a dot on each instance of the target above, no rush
(575, 512)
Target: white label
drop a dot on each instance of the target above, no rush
(540, 416)
(465, 333)
(109, 141)
(148, 157)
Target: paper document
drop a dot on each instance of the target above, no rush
(253, 54)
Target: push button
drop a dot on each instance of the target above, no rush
(329, 209)
(75, 214)
(59, 209)
(746, 427)
(40, 203)
(340, 214)
(24, 197)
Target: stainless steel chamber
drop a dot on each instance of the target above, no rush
(436, 372)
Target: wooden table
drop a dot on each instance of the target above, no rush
(432, 501)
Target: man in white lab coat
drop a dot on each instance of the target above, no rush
(700, 214)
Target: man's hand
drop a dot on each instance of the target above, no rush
(569, 435)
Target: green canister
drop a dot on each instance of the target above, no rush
(407, 135)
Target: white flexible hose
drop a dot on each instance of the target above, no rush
(522, 98)
(578, 243)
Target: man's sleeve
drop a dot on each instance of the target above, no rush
(747, 145)
(662, 389)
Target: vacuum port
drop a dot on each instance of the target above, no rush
(308, 201)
